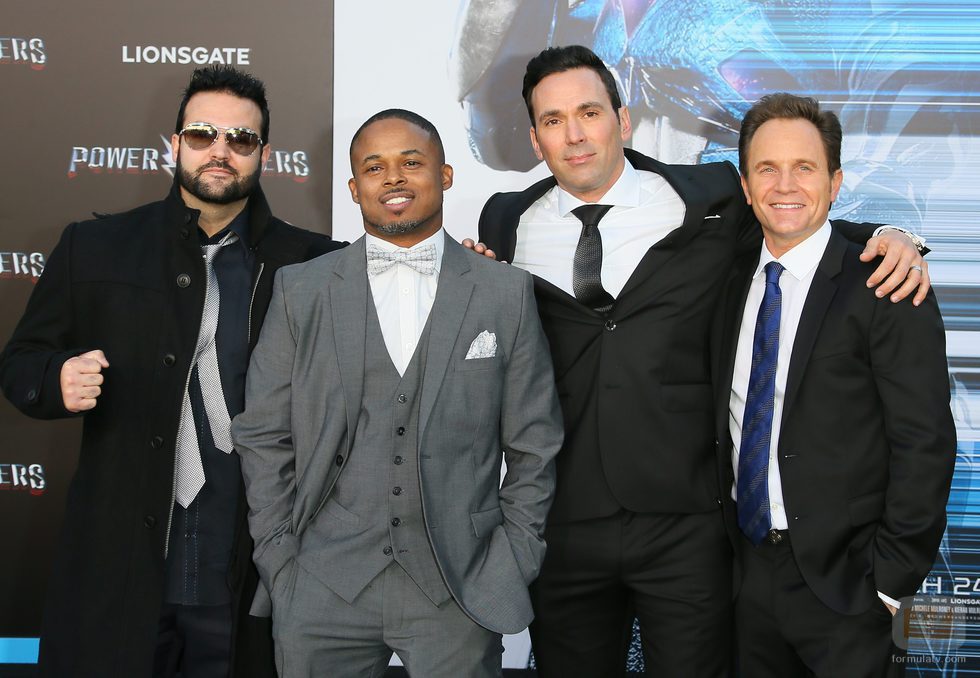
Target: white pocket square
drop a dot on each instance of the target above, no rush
(484, 346)
(712, 216)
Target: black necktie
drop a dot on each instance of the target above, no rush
(587, 267)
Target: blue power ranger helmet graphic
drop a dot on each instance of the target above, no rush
(895, 72)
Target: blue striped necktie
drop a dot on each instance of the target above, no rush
(753, 455)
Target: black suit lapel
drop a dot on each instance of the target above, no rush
(822, 291)
(695, 210)
(687, 187)
(503, 232)
(733, 308)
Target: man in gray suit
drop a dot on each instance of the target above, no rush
(387, 381)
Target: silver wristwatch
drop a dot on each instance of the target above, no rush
(917, 241)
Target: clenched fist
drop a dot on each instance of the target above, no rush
(81, 380)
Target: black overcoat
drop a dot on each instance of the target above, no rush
(133, 285)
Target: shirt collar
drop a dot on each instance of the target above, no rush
(438, 239)
(238, 226)
(624, 193)
(802, 259)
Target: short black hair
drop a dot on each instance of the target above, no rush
(227, 80)
(560, 59)
(407, 116)
(784, 106)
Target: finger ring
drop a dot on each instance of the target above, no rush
(916, 268)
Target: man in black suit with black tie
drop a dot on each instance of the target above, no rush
(636, 527)
(839, 443)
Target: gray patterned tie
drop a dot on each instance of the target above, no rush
(587, 266)
(190, 469)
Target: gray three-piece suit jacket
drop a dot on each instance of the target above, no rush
(304, 399)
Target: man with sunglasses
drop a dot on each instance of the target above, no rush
(143, 322)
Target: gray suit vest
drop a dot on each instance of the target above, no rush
(373, 518)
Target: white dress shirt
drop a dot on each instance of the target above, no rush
(800, 263)
(403, 299)
(645, 209)
(794, 283)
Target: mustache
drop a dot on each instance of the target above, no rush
(396, 190)
(216, 164)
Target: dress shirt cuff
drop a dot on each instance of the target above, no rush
(891, 601)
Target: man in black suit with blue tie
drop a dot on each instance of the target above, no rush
(834, 412)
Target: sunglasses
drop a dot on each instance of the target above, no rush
(201, 135)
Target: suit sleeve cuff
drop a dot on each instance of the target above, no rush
(275, 558)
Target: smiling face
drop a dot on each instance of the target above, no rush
(577, 132)
(216, 174)
(399, 178)
(788, 183)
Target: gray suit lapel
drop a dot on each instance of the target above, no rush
(348, 304)
(445, 319)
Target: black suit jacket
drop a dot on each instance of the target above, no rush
(635, 383)
(867, 441)
(132, 285)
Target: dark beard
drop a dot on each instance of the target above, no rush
(194, 184)
(398, 227)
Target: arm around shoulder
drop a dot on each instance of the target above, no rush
(488, 232)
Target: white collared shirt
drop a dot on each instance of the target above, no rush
(645, 209)
(403, 299)
(794, 284)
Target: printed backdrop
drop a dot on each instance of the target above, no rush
(90, 91)
(88, 101)
(903, 75)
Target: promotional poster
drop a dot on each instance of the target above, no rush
(90, 96)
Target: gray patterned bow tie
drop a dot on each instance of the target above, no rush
(422, 259)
